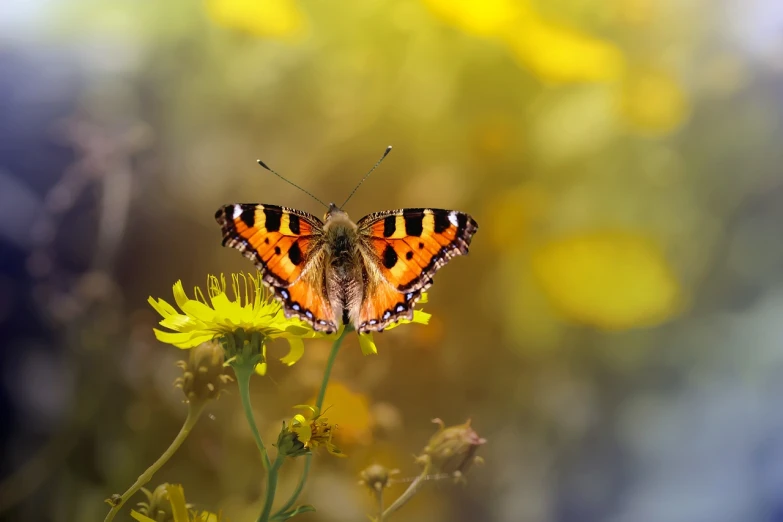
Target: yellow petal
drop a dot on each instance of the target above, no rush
(367, 344)
(296, 351)
(141, 518)
(177, 498)
(261, 369)
(425, 297)
(198, 311)
(162, 307)
(183, 339)
(179, 294)
(612, 280)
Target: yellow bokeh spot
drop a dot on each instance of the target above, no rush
(654, 102)
(512, 214)
(271, 18)
(350, 412)
(559, 54)
(483, 18)
(554, 53)
(611, 280)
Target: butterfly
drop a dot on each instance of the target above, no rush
(369, 273)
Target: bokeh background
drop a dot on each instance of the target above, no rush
(615, 332)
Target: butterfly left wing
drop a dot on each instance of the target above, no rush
(287, 248)
(402, 250)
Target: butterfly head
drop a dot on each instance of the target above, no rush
(334, 212)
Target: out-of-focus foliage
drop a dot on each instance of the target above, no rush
(614, 333)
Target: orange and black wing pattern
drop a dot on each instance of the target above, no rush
(406, 247)
(283, 243)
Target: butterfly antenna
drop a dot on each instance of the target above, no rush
(291, 183)
(385, 153)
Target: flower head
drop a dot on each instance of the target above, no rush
(167, 504)
(252, 311)
(366, 341)
(306, 432)
(376, 477)
(204, 374)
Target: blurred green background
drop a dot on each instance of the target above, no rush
(615, 332)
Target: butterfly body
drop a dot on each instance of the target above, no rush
(368, 273)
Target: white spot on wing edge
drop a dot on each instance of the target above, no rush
(237, 211)
(453, 218)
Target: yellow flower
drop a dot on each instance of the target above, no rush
(272, 18)
(366, 342)
(611, 280)
(251, 310)
(312, 430)
(175, 510)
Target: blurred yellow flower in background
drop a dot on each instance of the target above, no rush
(654, 101)
(272, 18)
(485, 18)
(252, 309)
(350, 412)
(553, 52)
(611, 280)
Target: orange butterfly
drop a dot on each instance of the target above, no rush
(370, 273)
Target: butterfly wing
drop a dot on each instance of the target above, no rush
(402, 250)
(286, 245)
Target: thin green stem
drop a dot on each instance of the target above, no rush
(243, 373)
(319, 402)
(414, 488)
(379, 495)
(271, 486)
(194, 412)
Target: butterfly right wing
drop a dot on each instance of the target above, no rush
(286, 245)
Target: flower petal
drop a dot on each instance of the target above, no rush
(295, 353)
(141, 518)
(425, 297)
(177, 498)
(183, 339)
(179, 294)
(162, 307)
(198, 311)
(367, 344)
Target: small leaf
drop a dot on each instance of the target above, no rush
(289, 514)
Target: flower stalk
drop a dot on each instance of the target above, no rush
(195, 409)
(319, 401)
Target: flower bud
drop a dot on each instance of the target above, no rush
(288, 443)
(204, 374)
(452, 450)
(376, 477)
(157, 506)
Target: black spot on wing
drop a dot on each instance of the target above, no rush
(293, 224)
(414, 222)
(409, 255)
(389, 257)
(462, 220)
(441, 220)
(273, 217)
(295, 254)
(277, 250)
(389, 225)
(248, 216)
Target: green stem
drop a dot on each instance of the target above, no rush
(243, 373)
(414, 488)
(271, 486)
(194, 412)
(319, 401)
